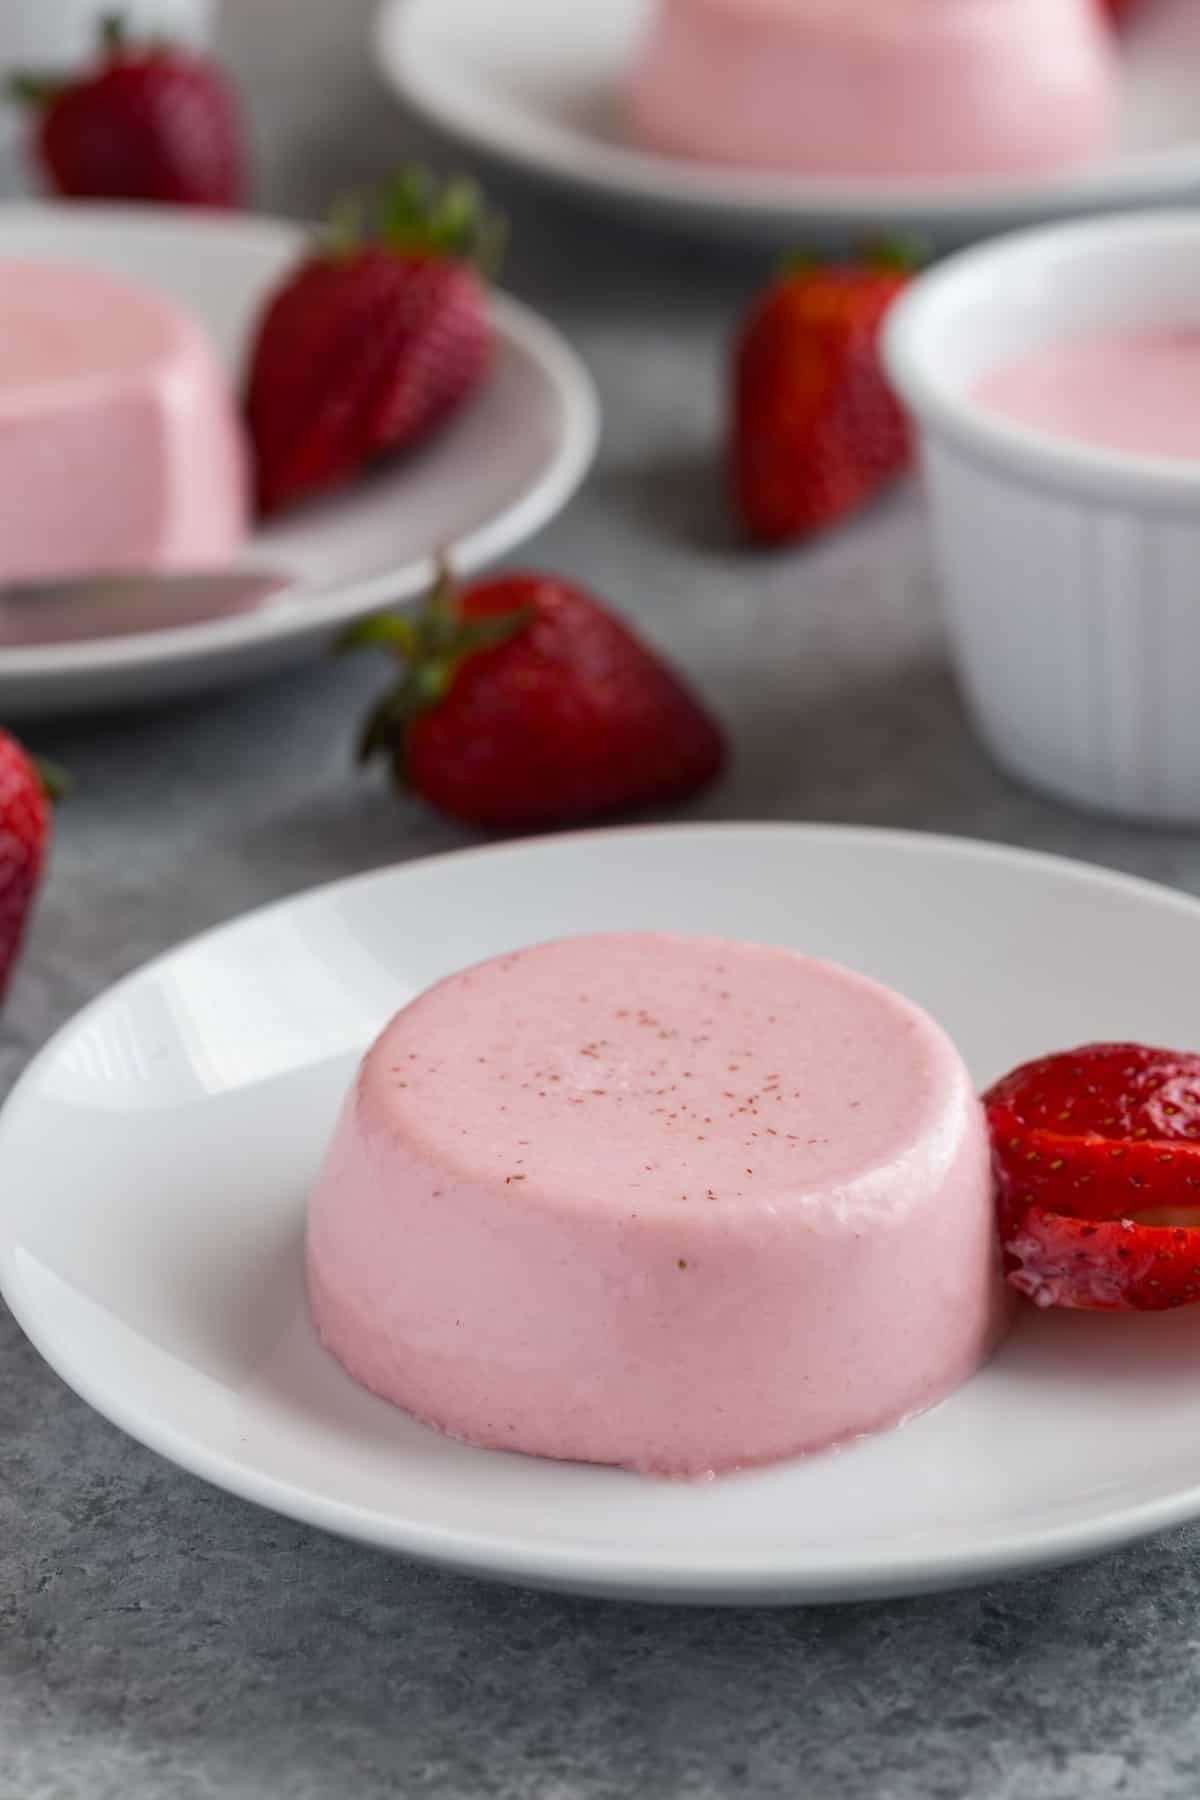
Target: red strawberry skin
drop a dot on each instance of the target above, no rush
(571, 719)
(817, 430)
(25, 824)
(1097, 1157)
(156, 125)
(358, 355)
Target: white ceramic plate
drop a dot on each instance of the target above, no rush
(495, 476)
(516, 79)
(154, 1163)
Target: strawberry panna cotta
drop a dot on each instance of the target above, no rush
(869, 90)
(1097, 1160)
(677, 1203)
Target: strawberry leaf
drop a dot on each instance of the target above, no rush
(416, 217)
(382, 631)
(431, 645)
(56, 782)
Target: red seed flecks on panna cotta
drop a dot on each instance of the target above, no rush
(871, 89)
(674, 1203)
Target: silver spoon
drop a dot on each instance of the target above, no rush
(103, 606)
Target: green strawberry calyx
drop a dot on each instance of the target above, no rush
(34, 89)
(414, 215)
(56, 783)
(886, 256)
(431, 646)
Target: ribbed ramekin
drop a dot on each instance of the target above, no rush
(1071, 574)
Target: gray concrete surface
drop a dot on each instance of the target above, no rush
(159, 1640)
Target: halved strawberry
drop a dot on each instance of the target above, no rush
(1097, 1156)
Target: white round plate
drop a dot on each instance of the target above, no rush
(508, 77)
(154, 1163)
(503, 468)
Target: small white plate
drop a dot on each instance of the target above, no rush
(503, 468)
(154, 1163)
(511, 78)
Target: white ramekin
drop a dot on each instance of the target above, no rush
(1072, 575)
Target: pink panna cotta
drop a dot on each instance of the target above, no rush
(120, 443)
(878, 89)
(674, 1203)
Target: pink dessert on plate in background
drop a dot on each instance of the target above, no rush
(1133, 391)
(120, 442)
(673, 1203)
(878, 89)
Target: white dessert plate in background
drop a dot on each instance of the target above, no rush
(499, 471)
(156, 1157)
(507, 77)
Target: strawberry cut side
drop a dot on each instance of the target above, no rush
(1097, 1159)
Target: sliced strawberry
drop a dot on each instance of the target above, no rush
(1097, 1156)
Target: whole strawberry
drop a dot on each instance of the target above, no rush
(525, 704)
(372, 343)
(816, 428)
(25, 822)
(148, 122)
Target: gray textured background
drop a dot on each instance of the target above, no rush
(158, 1639)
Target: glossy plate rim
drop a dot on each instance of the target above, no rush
(747, 1578)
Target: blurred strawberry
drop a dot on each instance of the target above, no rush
(816, 428)
(372, 344)
(148, 122)
(1117, 10)
(25, 824)
(524, 703)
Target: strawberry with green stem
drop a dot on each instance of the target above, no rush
(375, 342)
(149, 121)
(816, 429)
(523, 703)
